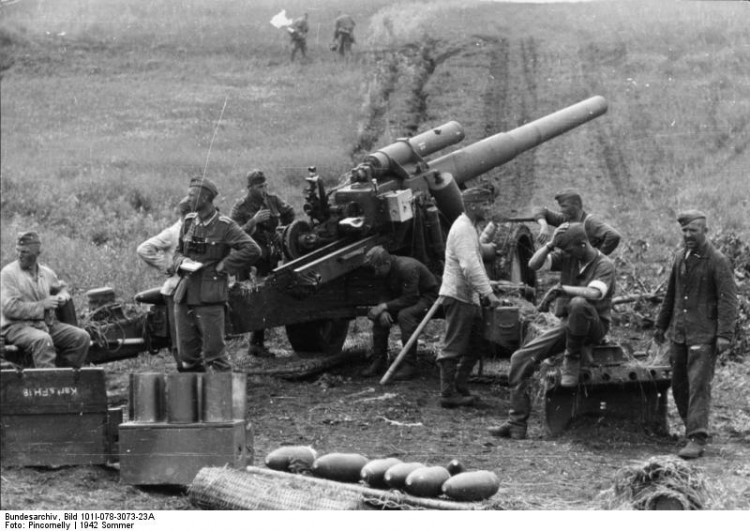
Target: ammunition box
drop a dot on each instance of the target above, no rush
(52, 417)
(502, 325)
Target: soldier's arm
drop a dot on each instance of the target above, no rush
(286, 212)
(664, 316)
(244, 250)
(15, 303)
(471, 264)
(598, 287)
(608, 237)
(155, 251)
(727, 303)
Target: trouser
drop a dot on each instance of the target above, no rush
(692, 372)
(200, 332)
(463, 332)
(63, 345)
(301, 45)
(582, 325)
(171, 323)
(408, 319)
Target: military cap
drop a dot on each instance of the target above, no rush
(569, 195)
(28, 238)
(477, 195)
(688, 216)
(376, 257)
(255, 177)
(201, 182)
(573, 235)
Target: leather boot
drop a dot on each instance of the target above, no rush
(465, 366)
(508, 431)
(571, 367)
(377, 367)
(406, 371)
(449, 398)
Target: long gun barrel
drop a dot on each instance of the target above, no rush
(474, 160)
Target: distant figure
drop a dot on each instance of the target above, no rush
(600, 235)
(298, 32)
(410, 291)
(29, 294)
(698, 314)
(158, 252)
(260, 214)
(343, 34)
(211, 247)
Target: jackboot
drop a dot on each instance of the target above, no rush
(571, 367)
(406, 371)
(449, 397)
(465, 367)
(377, 367)
(508, 431)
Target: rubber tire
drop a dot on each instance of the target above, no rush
(517, 243)
(326, 336)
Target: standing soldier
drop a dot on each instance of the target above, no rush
(158, 252)
(298, 32)
(698, 314)
(343, 34)
(30, 294)
(601, 235)
(260, 214)
(412, 289)
(465, 282)
(211, 247)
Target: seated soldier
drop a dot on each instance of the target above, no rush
(30, 293)
(587, 285)
(260, 213)
(411, 290)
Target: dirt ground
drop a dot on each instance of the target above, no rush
(339, 411)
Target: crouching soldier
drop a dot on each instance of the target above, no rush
(412, 289)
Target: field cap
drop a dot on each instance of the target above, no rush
(567, 195)
(574, 235)
(376, 257)
(28, 238)
(688, 216)
(477, 195)
(200, 182)
(255, 177)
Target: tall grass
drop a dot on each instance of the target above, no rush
(112, 106)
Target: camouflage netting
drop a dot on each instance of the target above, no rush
(263, 489)
(660, 482)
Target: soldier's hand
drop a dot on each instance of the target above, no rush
(385, 319)
(493, 301)
(722, 344)
(659, 336)
(51, 302)
(220, 268)
(262, 215)
(375, 311)
(545, 234)
(558, 232)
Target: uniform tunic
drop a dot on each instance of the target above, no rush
(201, 296)
(601, 235)
(700, 305)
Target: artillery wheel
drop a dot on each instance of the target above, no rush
(290, 239)
(326, 335)
(516, 245)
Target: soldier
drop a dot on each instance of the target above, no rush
(600, 235)
(413, 289)
(698, 313)
(298, 32)
(587, 285)
(210, 247)
(465, 283)
(30, 294)
(260, 214)
(158, 252)
(343, 34)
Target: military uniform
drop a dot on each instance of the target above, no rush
(201, 296)
(414, 289)
(282, 213)
(298, 32)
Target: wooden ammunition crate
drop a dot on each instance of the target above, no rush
(160, 453)
(56, 417)
(502, 325)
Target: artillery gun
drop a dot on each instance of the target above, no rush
(395, 198)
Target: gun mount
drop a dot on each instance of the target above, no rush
(397, 198)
